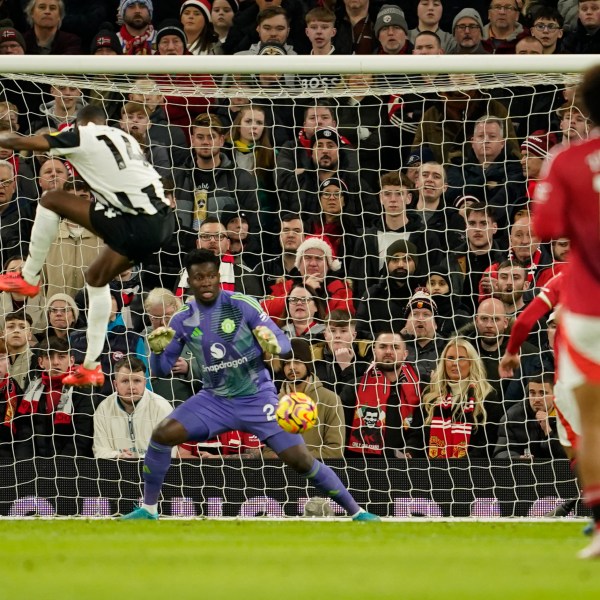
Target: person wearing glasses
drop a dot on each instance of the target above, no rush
(501, 34)
(548, 28)
(467, 28)
(306, 314)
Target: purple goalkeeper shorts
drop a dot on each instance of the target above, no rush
(205, 415)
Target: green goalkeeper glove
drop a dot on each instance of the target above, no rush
(267, 340)
(159, 339)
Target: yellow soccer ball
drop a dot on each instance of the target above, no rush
(296, 412)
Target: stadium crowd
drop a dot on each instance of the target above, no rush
(387, 234)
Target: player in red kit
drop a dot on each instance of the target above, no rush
(567, 204)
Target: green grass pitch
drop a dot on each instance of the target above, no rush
(243, 560)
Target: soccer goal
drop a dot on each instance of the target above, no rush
(330, 130)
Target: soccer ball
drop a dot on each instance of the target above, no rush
(296, 412)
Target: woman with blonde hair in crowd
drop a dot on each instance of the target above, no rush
(460, 412)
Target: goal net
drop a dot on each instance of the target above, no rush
(411, 179)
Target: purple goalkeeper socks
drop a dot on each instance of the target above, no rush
(326, 481)
(156, 465)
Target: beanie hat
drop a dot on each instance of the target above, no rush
(67, 300)
(421, 299)
(124, 5)
(171, 27)
(230, 212)
(327, 133)
(8, 33)
(204, 6)
(405, 248)
(422, 155)
(339, 183)
(539, 143)
(301, 352)
(106, 38)
(235, 5)
(317, 243)
(471, 13)
(390, 15)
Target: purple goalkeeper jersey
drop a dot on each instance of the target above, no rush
(220, 338)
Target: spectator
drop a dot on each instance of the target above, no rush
(480, 251)
(420, 334)
(45, 37)
(243, 245)
(316, 267)
(440, 219)
(573, 123)
(459, 414)
(468, 30)
(59, 418)
(72, 252)
(10, 421)
(273, 27)
(380, 407)
(427, 43)
(320, 31)
(384, 304)
(547, 27)
(354, 25)
(12, 40)
(53, 175)
(305, 312)
(17, 337)
(326, 439)
(61, 110)
(450, 119)
(137, 35)
(195, 17)
(585, 39)
(134, 120)
(534, 149)
(489, 169)
(63, 314)
(16, 215)
(391, 31)
(160, 305)
(396, 222)
(267, 273)
(512, 284)
(124, 421)
(501, 34)
(210, 180)
(12, 301)
(222, 14)
(429, 13)
(341, 360)
(529, 45)
(528, 430)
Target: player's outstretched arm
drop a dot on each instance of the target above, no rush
(14, 141)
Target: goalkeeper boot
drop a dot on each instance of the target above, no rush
(363, 515)
(139, 514)
(83, 377)
(14, 283)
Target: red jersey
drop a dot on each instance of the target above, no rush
(567, 204)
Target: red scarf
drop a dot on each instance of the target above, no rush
(137, 44)
(58, 401)
(373, 393)
(450, 438)
(9, 391)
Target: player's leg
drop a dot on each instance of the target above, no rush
(319, 474)
(51, 207)
(200, 418)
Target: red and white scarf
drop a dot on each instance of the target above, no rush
(59, 400)
(137, 44)
(8, 389)
(450, 434)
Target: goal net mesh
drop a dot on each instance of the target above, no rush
(321, 145)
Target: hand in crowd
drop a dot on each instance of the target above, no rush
(542, 418)
(344, 356)
(508, 364)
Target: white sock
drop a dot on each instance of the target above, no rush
(98, 316)
(151, 508)
(43, 234)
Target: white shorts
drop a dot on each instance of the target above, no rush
(580, 352)
(568, 425)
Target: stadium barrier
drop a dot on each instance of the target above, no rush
(393, 488)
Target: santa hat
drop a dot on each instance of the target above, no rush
(204, 6)
(539, 143)
(317, 243)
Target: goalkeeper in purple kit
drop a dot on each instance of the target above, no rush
(227, 332)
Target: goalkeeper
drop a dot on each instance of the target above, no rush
(227, 332)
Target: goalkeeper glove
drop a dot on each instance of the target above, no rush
(267, 340)
(159, 339)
